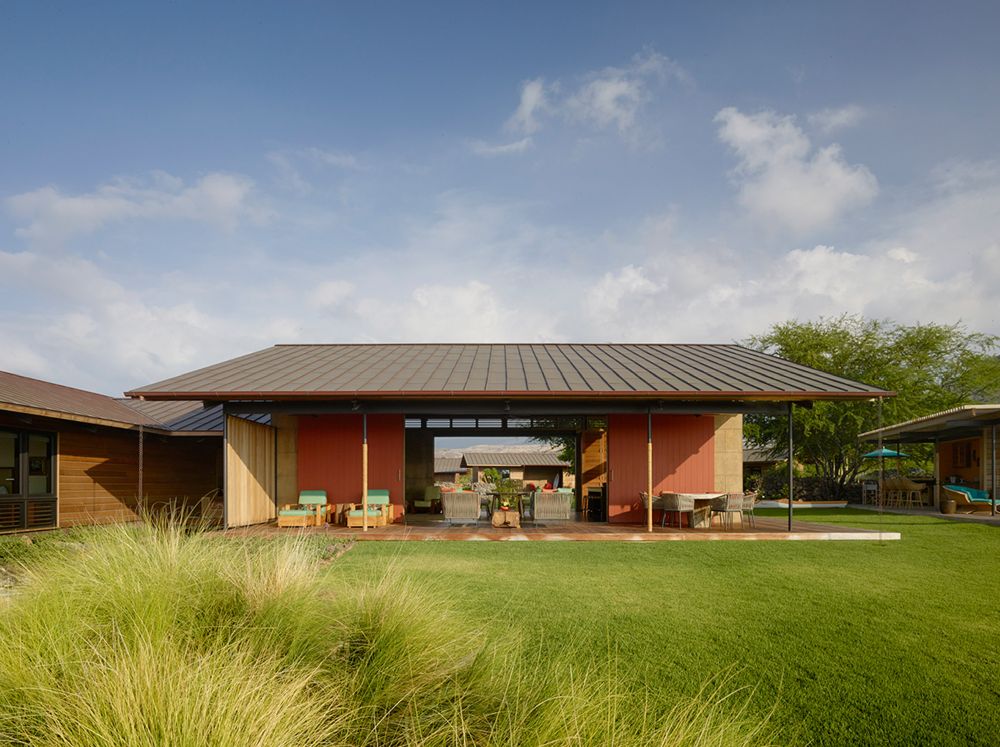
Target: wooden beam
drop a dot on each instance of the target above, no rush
(649, 472)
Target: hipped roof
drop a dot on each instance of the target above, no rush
(485, 370)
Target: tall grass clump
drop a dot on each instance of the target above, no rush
(153, 634)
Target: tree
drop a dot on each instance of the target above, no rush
(930, 367)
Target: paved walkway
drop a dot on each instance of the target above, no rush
(977, 518)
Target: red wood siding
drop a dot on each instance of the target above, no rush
(329, 456)
(683, 459)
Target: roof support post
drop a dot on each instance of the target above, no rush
(364, 472)
(649, 471)
(993, 466)
(791, 463)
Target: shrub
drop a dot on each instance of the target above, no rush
(149, 635)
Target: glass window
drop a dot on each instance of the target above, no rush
(10, 472)
(39, 465)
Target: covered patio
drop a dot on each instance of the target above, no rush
(966, 452)
(353, 421)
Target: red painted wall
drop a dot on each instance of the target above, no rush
(683, 459)
(329, 456)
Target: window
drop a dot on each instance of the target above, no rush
(39, 464)
(10, 463)
(27, 482)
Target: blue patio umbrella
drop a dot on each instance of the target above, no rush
(884, 453)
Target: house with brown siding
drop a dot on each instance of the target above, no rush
(349, 418)
(70, 457)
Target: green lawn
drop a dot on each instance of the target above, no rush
(847, 642)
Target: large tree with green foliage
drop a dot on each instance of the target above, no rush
(930, 367)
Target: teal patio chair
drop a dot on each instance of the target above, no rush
(380, 511)
(310, 511)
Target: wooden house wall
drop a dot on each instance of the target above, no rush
(250, 472)
(97, 468)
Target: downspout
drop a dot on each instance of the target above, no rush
(993, 477)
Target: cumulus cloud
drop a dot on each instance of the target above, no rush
(828, 121)
(785, 183)
(49, 215)
(490, 150)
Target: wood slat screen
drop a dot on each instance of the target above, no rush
(250, 472)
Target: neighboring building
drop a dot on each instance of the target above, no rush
(538, 467)
(756, 461)
(69, 456)
(966, 444)
(666, 414)
(449, 469)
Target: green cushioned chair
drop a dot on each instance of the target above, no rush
(310, 511)
(380, 511)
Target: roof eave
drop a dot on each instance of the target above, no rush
(756, 395)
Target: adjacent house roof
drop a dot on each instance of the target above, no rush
(471, 370)
(513, 459)
(45, 399)
(42, 398)
(449, 465)
(953, 423)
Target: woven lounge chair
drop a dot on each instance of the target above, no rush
(310, 511)
(461, 506)
(553, 506)
(967, 500)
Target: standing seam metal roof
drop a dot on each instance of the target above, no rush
(505, 369)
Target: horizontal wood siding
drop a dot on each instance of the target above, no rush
(683, 459)
(99, 473)
(250, 472)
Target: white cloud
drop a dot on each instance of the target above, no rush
(290, 162)
(613, 97)
(48, 215)
(828, 121)
(630, 282)
(330, 293)
(490, 150)
(533, 103)
(784, 183)
(609, 99)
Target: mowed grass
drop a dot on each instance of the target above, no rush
(839, 642)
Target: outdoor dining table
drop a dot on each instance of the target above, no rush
(699, 505)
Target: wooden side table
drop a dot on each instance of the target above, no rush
(510, 519)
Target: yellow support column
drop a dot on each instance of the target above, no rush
(649, 472)
(364, 473)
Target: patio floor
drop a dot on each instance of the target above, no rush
(579, 531)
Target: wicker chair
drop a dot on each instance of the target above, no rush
(553, 506)
(726, 506)
(679, 505)
(462, 506)
(749, 499)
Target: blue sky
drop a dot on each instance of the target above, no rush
(181, 183)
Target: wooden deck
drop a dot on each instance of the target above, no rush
(578, 531)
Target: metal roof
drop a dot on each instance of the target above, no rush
(513, 459)
(951, 423)
(488, 370)
(448, 464)
(186, 416)
(21, 393)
